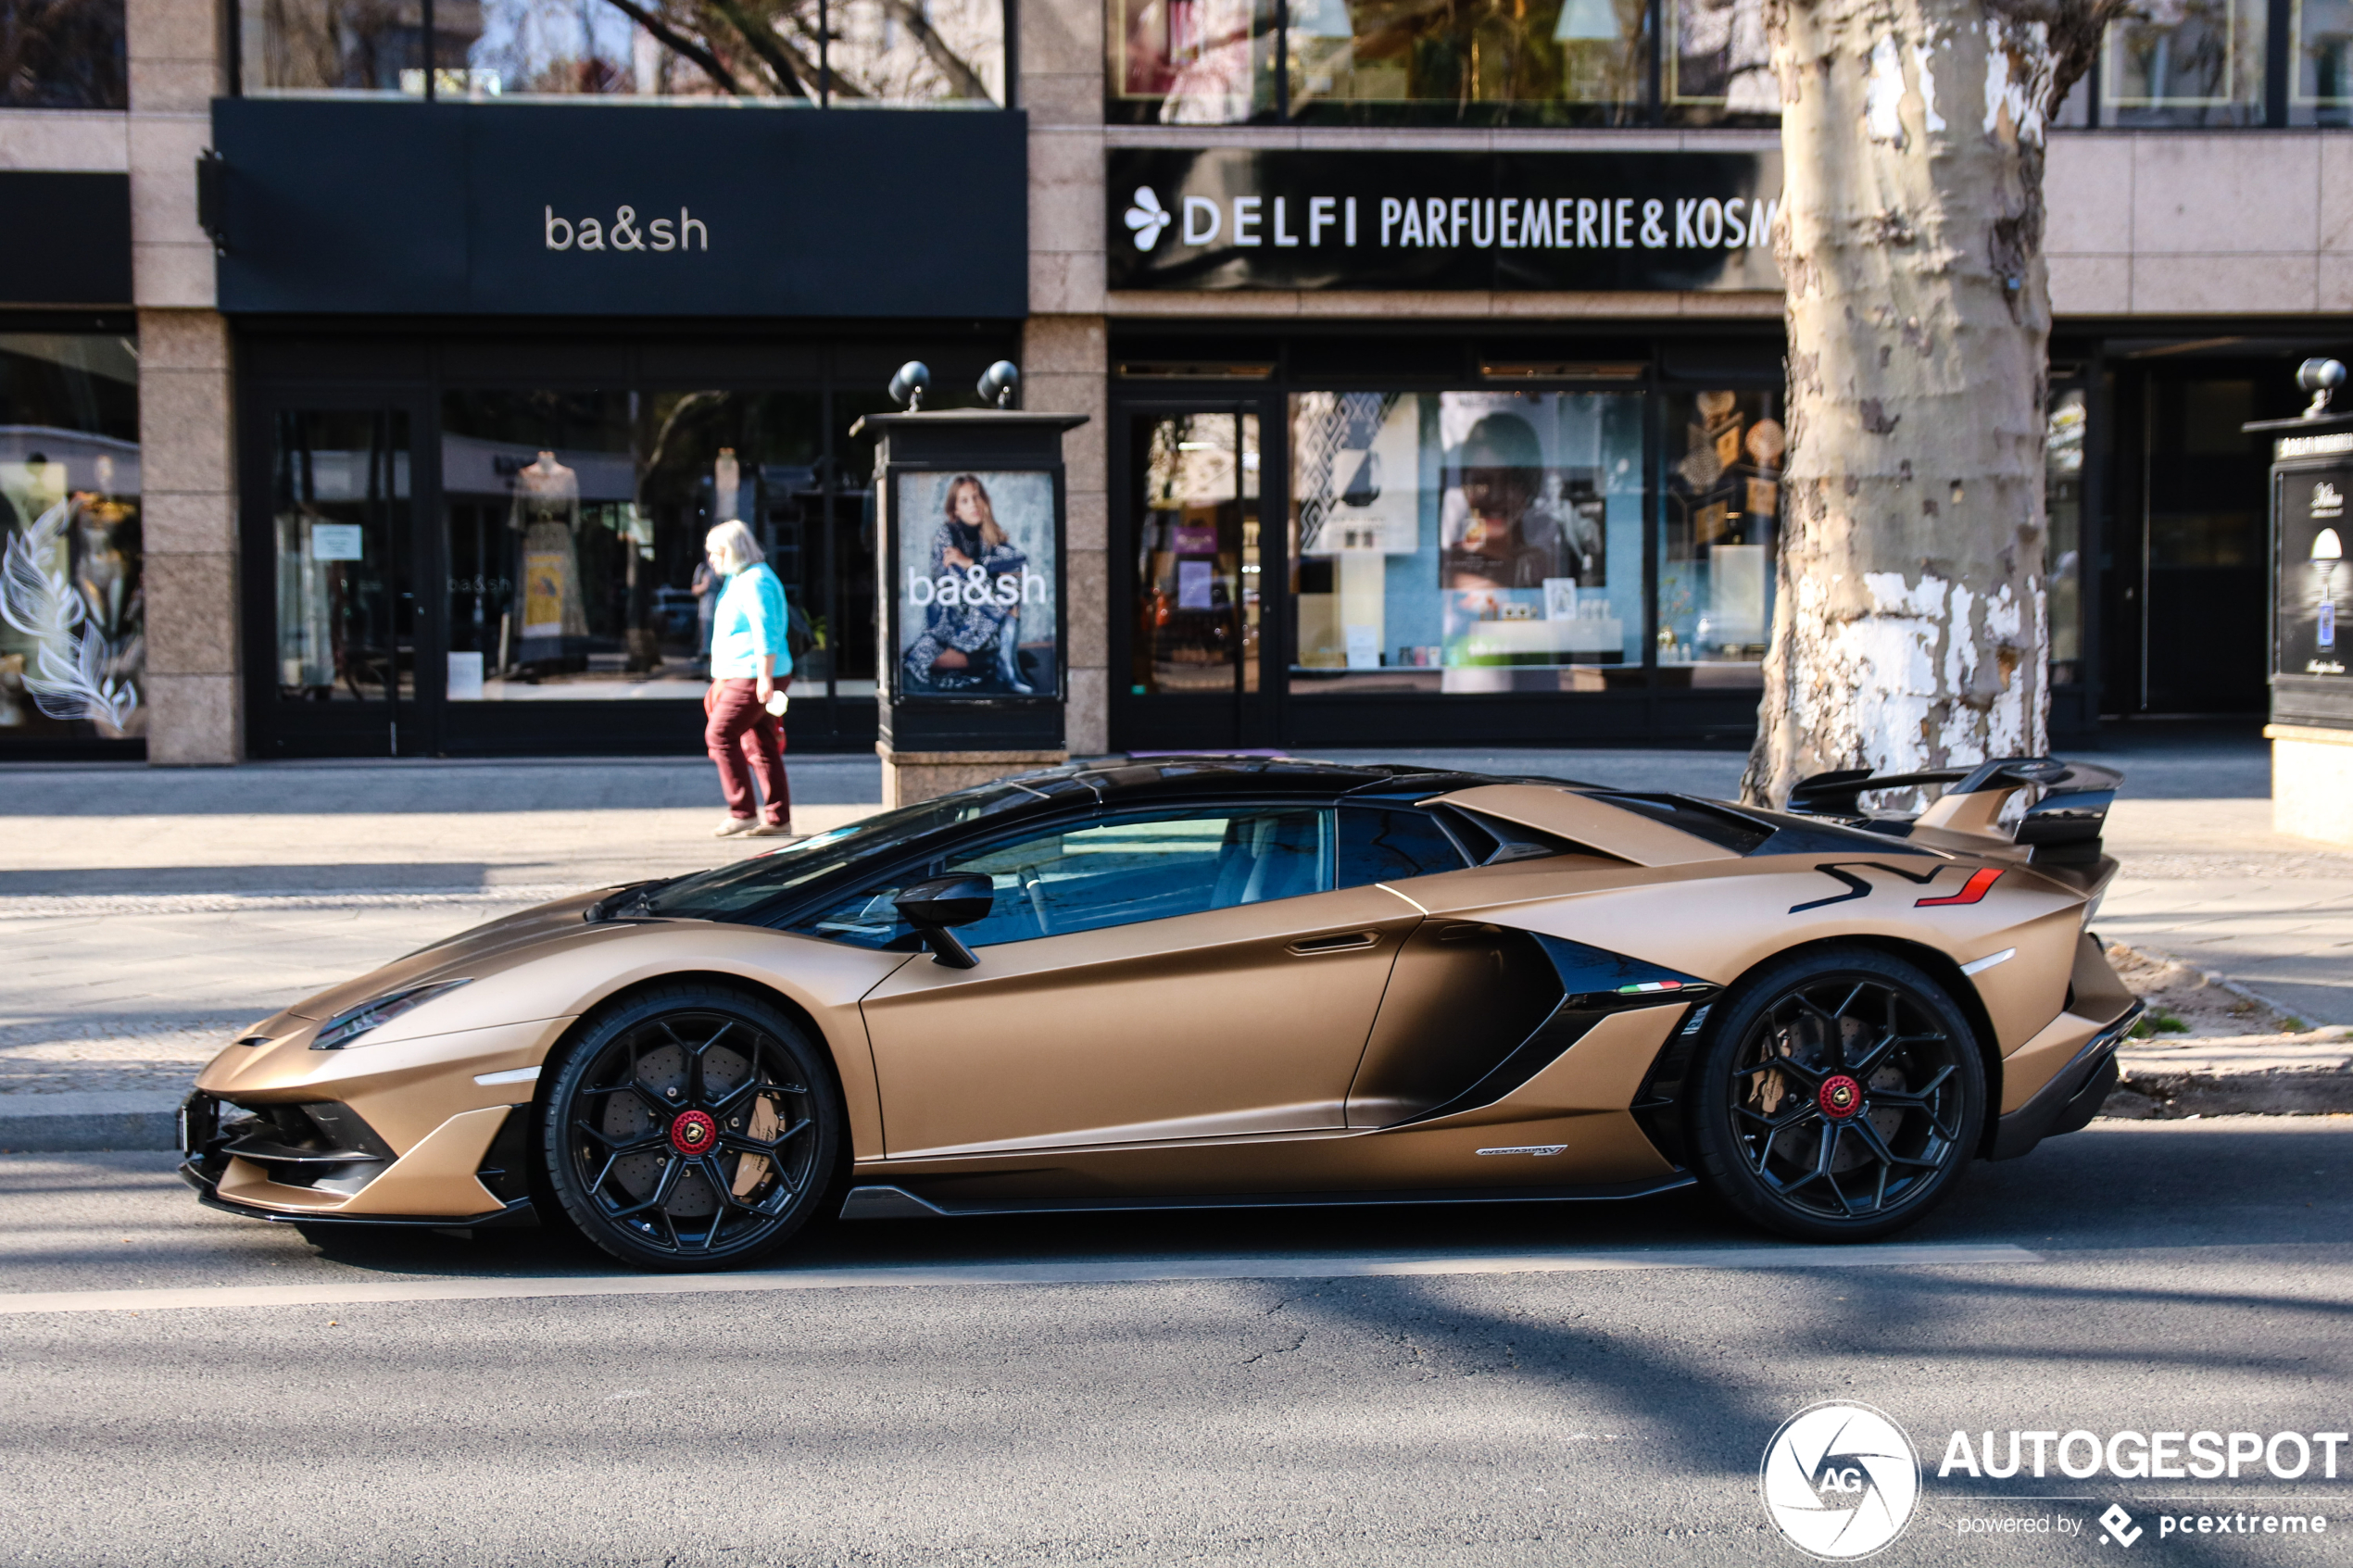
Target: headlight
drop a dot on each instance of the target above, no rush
(352, 1023)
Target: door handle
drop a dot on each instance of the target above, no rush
(1342, 942)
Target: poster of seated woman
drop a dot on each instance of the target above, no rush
(976, 615)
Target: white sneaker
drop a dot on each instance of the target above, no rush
(734, 825)
(774, 830)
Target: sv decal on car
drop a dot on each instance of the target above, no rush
(1979, 882)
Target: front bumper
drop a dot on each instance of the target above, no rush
(318, 1161)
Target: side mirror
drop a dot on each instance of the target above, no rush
(932, 906)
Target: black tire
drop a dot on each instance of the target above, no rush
(691, 1127)
(1838, 1095)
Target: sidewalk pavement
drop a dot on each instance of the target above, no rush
(147, 914)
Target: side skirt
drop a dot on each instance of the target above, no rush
(898, 1203)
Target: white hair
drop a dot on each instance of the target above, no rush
(732, 545)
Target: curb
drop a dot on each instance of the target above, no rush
(85, 1122)
(2147, 1091)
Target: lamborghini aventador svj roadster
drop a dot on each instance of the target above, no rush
(1215, 982)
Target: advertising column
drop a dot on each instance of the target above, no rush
(2311, 728)
(974, 668)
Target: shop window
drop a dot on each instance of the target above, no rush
(2185, 62)
(575, 529)
(64, 57)
(340, 488)
(71, 621)
(1465, 542)
(1559, 61)
(2063, 548)
(1198, 554)
(1719, 537)
(1192, 62)
(300, 47)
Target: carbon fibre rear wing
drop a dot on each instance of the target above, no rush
(2062, 821)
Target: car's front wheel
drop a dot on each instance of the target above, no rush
(1838, 1096)
(690, 1127)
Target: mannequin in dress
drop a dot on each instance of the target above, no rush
(547, 513)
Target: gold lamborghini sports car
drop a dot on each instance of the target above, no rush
(1217, 982)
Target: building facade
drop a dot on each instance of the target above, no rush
(379, 364)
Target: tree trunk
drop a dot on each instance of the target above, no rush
(1909, 630)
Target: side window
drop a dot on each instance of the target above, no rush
(1117, 872)
(1385, 845)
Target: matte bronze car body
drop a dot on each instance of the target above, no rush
(1526, 1022)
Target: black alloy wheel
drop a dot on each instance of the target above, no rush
(691, 1127)
(1839, 1095)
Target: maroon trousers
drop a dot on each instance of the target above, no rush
(739, 730)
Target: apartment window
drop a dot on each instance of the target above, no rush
(804, 53)
(2185, 62)
(2171, 63)
(62, 55)
(2321, 58)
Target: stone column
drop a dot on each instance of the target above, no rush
(1064, 346)
(186, 393)
(1062, 372)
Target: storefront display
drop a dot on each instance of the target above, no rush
(576, 527)
(1461, 542)
(1719, 537)
(73, 646)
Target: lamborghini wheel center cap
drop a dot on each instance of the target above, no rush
(1840, 1098)
(694, 1133)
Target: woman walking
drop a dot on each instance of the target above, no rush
(750, 662)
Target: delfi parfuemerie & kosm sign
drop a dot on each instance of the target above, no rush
(1237, 217)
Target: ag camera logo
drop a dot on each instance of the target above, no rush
(1840, 1481)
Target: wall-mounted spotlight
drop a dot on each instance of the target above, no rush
(998, 382)
(910, 384)
(2321, 378)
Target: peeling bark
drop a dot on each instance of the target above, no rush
(1910, 629)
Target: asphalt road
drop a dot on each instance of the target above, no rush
(1475, 1386)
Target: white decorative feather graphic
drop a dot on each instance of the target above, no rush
(69, 677)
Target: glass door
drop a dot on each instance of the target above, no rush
(1195, 567)
(331, 540)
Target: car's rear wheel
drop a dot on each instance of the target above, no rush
(1839, 1095)
(690, 1127)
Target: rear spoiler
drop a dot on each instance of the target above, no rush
(2069, 807)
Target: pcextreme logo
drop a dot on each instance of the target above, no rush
(1840, 1481)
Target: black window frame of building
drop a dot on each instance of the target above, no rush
(233, 34)
(2084, 108)
(1161, 368)
(305, 363)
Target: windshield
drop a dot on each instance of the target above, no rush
(728, 891)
